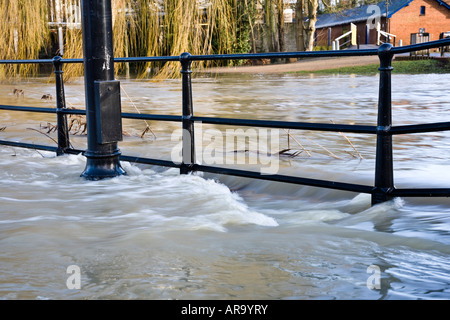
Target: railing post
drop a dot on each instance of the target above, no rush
(188, 152)
(384, 171)
(61, 118)
(103, 105)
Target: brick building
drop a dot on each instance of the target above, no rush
(400, 18)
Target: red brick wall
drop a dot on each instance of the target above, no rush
(404, 22)
(408, 20)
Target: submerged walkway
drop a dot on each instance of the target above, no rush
(311, 64)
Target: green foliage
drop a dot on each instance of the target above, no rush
(422, 66)
(322, 48)
(400, 67)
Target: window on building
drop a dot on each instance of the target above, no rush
(422, 10)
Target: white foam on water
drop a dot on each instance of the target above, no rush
(198, 203)
(51, 189)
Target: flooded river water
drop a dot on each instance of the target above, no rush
(155, 234)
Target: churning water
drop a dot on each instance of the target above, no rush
(154, 234)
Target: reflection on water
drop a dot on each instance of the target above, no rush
(154, 234)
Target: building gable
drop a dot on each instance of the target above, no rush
(429, 18)
(363, 13)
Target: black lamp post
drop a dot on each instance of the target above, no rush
(103, 106)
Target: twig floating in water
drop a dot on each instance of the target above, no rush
(289, 135)
(44, 134)
(348, 140)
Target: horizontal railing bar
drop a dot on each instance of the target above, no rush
(28, 145)
(156, 117)
(38, 147)
(396, 130)
(80, 112)
(275, 55)
(42, 110)
(288, 125)
(420, 128)
(141, 116)
(131, 159)
(118, 60)
(29, 109)
(210, 169)
(40, 61)
(287, 179)
(126, 115)
(156, 162)
(242, 56)
(223, 121)
(421, 192)
(30, 61)
(72, 61)
(147, 59)
(319, 54)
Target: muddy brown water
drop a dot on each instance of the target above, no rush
(154, 234)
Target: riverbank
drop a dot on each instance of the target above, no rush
(402, 66)
(312, 64)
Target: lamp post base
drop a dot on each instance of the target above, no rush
(102, 167)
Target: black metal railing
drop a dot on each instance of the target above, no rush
(383, 188)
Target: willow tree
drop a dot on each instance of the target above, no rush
(171, 27)
(24, 34)
(165, 28)
(140, 27)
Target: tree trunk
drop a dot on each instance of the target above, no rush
(281, 44)
(271, 25)
(311, 24)
(299, 26)
(251, 16)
